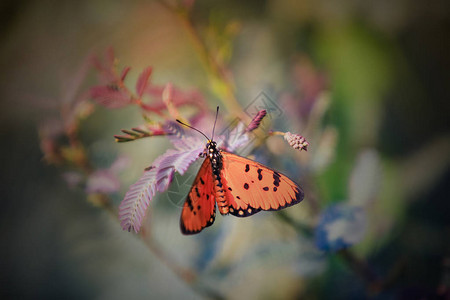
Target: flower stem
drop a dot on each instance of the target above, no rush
(276, 133)
(212, 67)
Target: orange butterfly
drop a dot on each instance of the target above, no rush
(240, 186)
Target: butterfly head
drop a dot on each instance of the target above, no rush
(213, 152)
(211, 147)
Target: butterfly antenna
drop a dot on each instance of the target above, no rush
(214, 127)
(193, 128)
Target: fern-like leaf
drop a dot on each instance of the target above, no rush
(138, 133)
(133, 208)
(137, 199)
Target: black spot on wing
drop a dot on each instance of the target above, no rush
(201, 180)
(298, 197)
(276, 179)
(196, 191)
(247, 168)
(187, 231)
(230, 189)
(266, 188)
(189, 203)
(260, 177)
(184, 230)
(246, 186)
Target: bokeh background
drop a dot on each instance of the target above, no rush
(383, 68)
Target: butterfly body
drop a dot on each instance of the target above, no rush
(215, 157)
(238, 185)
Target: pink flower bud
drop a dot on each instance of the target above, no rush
(256, 120)
(296, 141)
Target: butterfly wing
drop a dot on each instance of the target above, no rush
(199, 210)
(251, 187)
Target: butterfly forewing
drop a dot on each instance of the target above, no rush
(199, 209)
(251, 187)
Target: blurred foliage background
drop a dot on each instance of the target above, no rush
(383, 67)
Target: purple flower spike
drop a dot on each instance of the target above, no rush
(256, 120)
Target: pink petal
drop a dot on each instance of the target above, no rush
(143, 81)
(109, 96)
(124, 73)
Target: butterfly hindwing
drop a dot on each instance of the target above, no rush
(251, 187)
(199, 209)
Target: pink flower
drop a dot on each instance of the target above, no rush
(296, 141)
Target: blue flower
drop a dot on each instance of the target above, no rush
(340, 226)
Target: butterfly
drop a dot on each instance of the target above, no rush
(237, 185)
